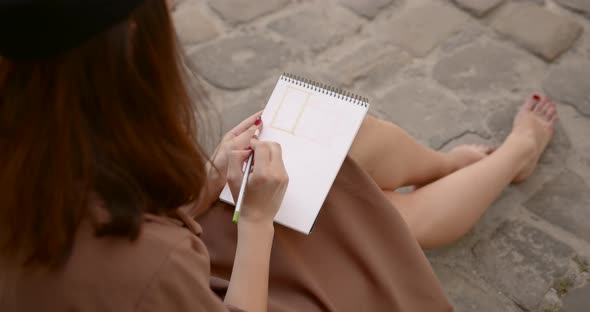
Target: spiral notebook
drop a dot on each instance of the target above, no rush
(315, 125)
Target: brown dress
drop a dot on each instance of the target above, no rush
(360, 257)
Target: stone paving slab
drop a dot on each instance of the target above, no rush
(372, 59)
(563, 202)
(578, 300)
(548, 38)
(479, 7)
(469, 293)
(415, 107)
(582, 6)
(367, 8)
(252, 102)
(193, 26)
(520, 255)
(569, 83)
(485, 66)
(425, 27)
(449, 72)
(576, 126)
(471, 32)
(303, 26)
(241, 11)
(240, 62)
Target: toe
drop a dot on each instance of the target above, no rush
(549, 107)
(550, 110)
(550, 114)
(553, 120)
(554, 113)
(531, 101)
(540, 107)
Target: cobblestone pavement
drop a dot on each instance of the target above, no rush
(449, 72)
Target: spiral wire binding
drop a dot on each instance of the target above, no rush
(326, 89)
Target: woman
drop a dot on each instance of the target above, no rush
(101, 179)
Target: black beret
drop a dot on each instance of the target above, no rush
(33, 29)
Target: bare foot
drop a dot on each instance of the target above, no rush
(535, 121)
(465, 155)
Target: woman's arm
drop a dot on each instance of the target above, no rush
(266, 187)
(248, 288)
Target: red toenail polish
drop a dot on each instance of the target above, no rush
(536, 97)
(258, 121)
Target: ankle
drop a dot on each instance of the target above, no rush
(522, 147)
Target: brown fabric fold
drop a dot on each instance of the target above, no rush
(359, 257)
(165, 269)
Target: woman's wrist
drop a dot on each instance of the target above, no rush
(248, 286)
(256, 228)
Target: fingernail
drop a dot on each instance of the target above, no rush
(536, 97)
(257, 132)
(258, 121)
(249, 148)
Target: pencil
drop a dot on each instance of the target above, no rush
(243, 189)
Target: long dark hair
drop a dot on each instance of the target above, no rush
(113, 117)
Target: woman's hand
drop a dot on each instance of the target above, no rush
(238, 139)
(266, 185)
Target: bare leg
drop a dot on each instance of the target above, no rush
(443, 211)
(394, 159)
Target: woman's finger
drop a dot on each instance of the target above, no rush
(276, 153)
(245, 125)
(242, 141)
(261, 153)
(235, 171)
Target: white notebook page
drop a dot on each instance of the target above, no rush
(315, 130)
